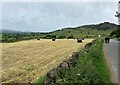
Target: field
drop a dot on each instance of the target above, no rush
(82, 32)
(26, 61)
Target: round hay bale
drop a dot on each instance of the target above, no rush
(53, 39)
(79, 40)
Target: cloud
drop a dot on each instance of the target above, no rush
(47, 16)
(59, 0)
(0, 15)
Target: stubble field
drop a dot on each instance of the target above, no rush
(26, 61)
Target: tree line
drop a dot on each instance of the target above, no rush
(14, 37)
(115, 33)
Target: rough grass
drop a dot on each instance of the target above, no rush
(26, 61)
(118, 39)
(82, 32)
(99, 61)
(91, 68)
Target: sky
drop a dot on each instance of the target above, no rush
(49, 16)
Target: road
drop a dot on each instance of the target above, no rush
(111, 53)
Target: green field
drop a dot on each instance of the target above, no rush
(82, 32)
(85, 31)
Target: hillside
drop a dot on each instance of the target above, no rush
(87, 30)
(101, 26)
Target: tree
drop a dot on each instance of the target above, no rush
(61, 37)
(69, 31)
(50, 36)
(116, 33)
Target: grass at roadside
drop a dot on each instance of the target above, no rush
(91, 68)
(40, 80)
(118, 39)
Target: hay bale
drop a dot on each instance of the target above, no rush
(79, 40)
(53, 39)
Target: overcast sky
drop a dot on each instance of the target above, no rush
(48, 16)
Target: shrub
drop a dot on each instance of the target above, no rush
(61, 37)
(49, 36)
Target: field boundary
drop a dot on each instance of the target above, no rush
(66, 64)
(109, 66)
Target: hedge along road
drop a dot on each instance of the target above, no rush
(25, 61)
(111, 53)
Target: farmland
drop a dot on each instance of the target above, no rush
(26, 61)
(86, 31)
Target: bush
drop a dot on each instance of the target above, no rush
(116, 33)
(49, 36)
(61, 37)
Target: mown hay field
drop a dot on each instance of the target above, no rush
(26, 61)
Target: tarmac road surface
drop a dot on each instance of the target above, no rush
(111, 53)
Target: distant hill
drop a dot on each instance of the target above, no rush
(86, 30)
(9, 31)
(94, 29)
(101, 26)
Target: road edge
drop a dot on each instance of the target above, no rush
(112, 77)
